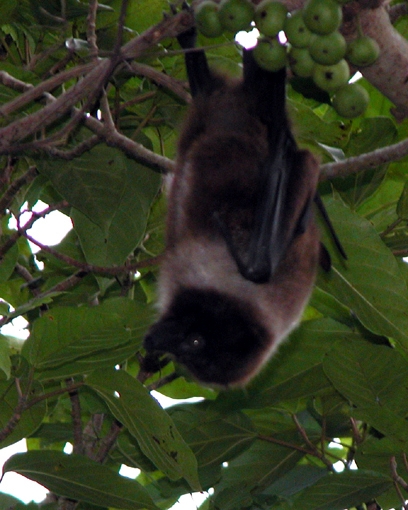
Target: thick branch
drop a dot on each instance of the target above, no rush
(389, 74)
(364, 161)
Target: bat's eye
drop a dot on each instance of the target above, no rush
(194, 343)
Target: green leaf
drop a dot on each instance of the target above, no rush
(372, 134)
(66, 334)
(6, 9)
(402, 206)
(233, 498)
(29, 420)
(131, 403)
(385, 419)
(375, 454)
(8, 263)
(5, 362)
(358, 371)
(254, 467)
(343, 490)
(311, 127)
(108, 188)
(369, 282)
(7, 501)
(214, 437)
(296, 480)
(79, 478)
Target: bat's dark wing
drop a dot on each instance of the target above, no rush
(284, 207)
(287, 181)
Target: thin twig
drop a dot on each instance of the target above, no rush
(15, 186)
(77, 151)
(395, 476)
(51, 394)
(22, 230)
(91, 29)
(110, 271)
(38, 300)
(78, 446)
(108, 441)
(316, 452)
(163, 381)
(19, 409)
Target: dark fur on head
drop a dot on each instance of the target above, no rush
(212, 334)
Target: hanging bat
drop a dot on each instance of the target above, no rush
(242, 246)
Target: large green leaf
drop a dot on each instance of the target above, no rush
(214, 437)
(358, 371)
(264, 462)
(369, 282)
(131, 403)
(343, 490)
(80, 478)
(375, 454)
(112, 192)
(65, 334)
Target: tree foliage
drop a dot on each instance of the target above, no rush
(90, 99)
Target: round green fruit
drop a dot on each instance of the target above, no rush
(322, 16)
(207, 19)
(328, 49)
(270, 17)
(296, 31)
(351, 100)
(363, 51)
(270, 54)
(301, 62)
(331, 78)
(236, 15)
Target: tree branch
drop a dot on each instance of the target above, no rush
(364, 161)
(15, 186)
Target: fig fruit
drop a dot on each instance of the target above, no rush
(270, 54)
(236, 15)
(296, 31)
(333, 77)
(351, 100)
(207, 19)
(270, 17)
(328, 49)
(363, 51)
(322, 16)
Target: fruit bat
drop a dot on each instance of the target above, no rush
(242, 246)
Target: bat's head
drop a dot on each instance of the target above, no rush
(215, 336)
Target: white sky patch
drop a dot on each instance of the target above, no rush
(49, 230)
(356, 76)
(168, 402)
(19, 486)
(129, 472)
(247, 39)
(17, 328)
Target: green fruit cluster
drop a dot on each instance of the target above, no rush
(316, 49)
